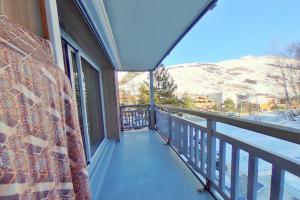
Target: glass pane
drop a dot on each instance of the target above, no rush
(91, 87)
(76, 90)
(65, 55)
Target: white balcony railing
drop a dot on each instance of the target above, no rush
(134, 117)
(204, 148)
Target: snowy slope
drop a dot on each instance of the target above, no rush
(247, 75)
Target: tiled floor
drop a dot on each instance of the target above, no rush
(143, 168)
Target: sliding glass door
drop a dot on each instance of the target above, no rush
(86, 83)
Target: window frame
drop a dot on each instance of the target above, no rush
(72, 47)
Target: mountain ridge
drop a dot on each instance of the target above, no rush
(247, 75)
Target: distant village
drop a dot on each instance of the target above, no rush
(259, 102)
(216, 102)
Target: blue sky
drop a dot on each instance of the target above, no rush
(237, 28)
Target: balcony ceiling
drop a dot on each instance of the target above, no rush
(138, 34)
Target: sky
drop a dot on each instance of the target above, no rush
(237, 28)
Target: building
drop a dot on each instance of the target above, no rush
(269, 104)
(220, 97)
(262, 102)
(91, 41)
(203, 103)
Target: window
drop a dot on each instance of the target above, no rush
(91, 87)
(85, 81)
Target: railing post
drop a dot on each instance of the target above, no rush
(121, 118)
(211, 150)
(185, 139)
(152, 116)
(252, 177)
(202, 154)
(191, 139)
(196, 158)
(169, 127)
(222, 164)
(277, 182)
(235, 168)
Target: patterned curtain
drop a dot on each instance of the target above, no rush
(41, 151)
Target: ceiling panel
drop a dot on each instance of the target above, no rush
(142, 32)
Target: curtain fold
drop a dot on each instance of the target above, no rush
(41, 151)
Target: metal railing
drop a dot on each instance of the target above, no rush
(204, 148)
(134, 117)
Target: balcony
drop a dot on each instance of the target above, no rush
(183, 156)
(142, 167)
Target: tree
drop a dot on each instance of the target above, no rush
(216, 107)
(143, 96)
(186, 101)
(288, 61)
(229, 105)
(283, 66)
(294, 68)
(247, 107)
(164, 89)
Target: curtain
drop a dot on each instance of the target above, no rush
(41, 151)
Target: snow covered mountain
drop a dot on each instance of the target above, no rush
(247, 75)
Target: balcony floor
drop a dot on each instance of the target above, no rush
(143, 168)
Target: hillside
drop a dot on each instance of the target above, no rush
(247, 75)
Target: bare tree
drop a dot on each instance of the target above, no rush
(283, 66)
(288, 62)
(293, 52)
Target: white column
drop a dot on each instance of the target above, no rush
(54, 31)
(152, 122)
